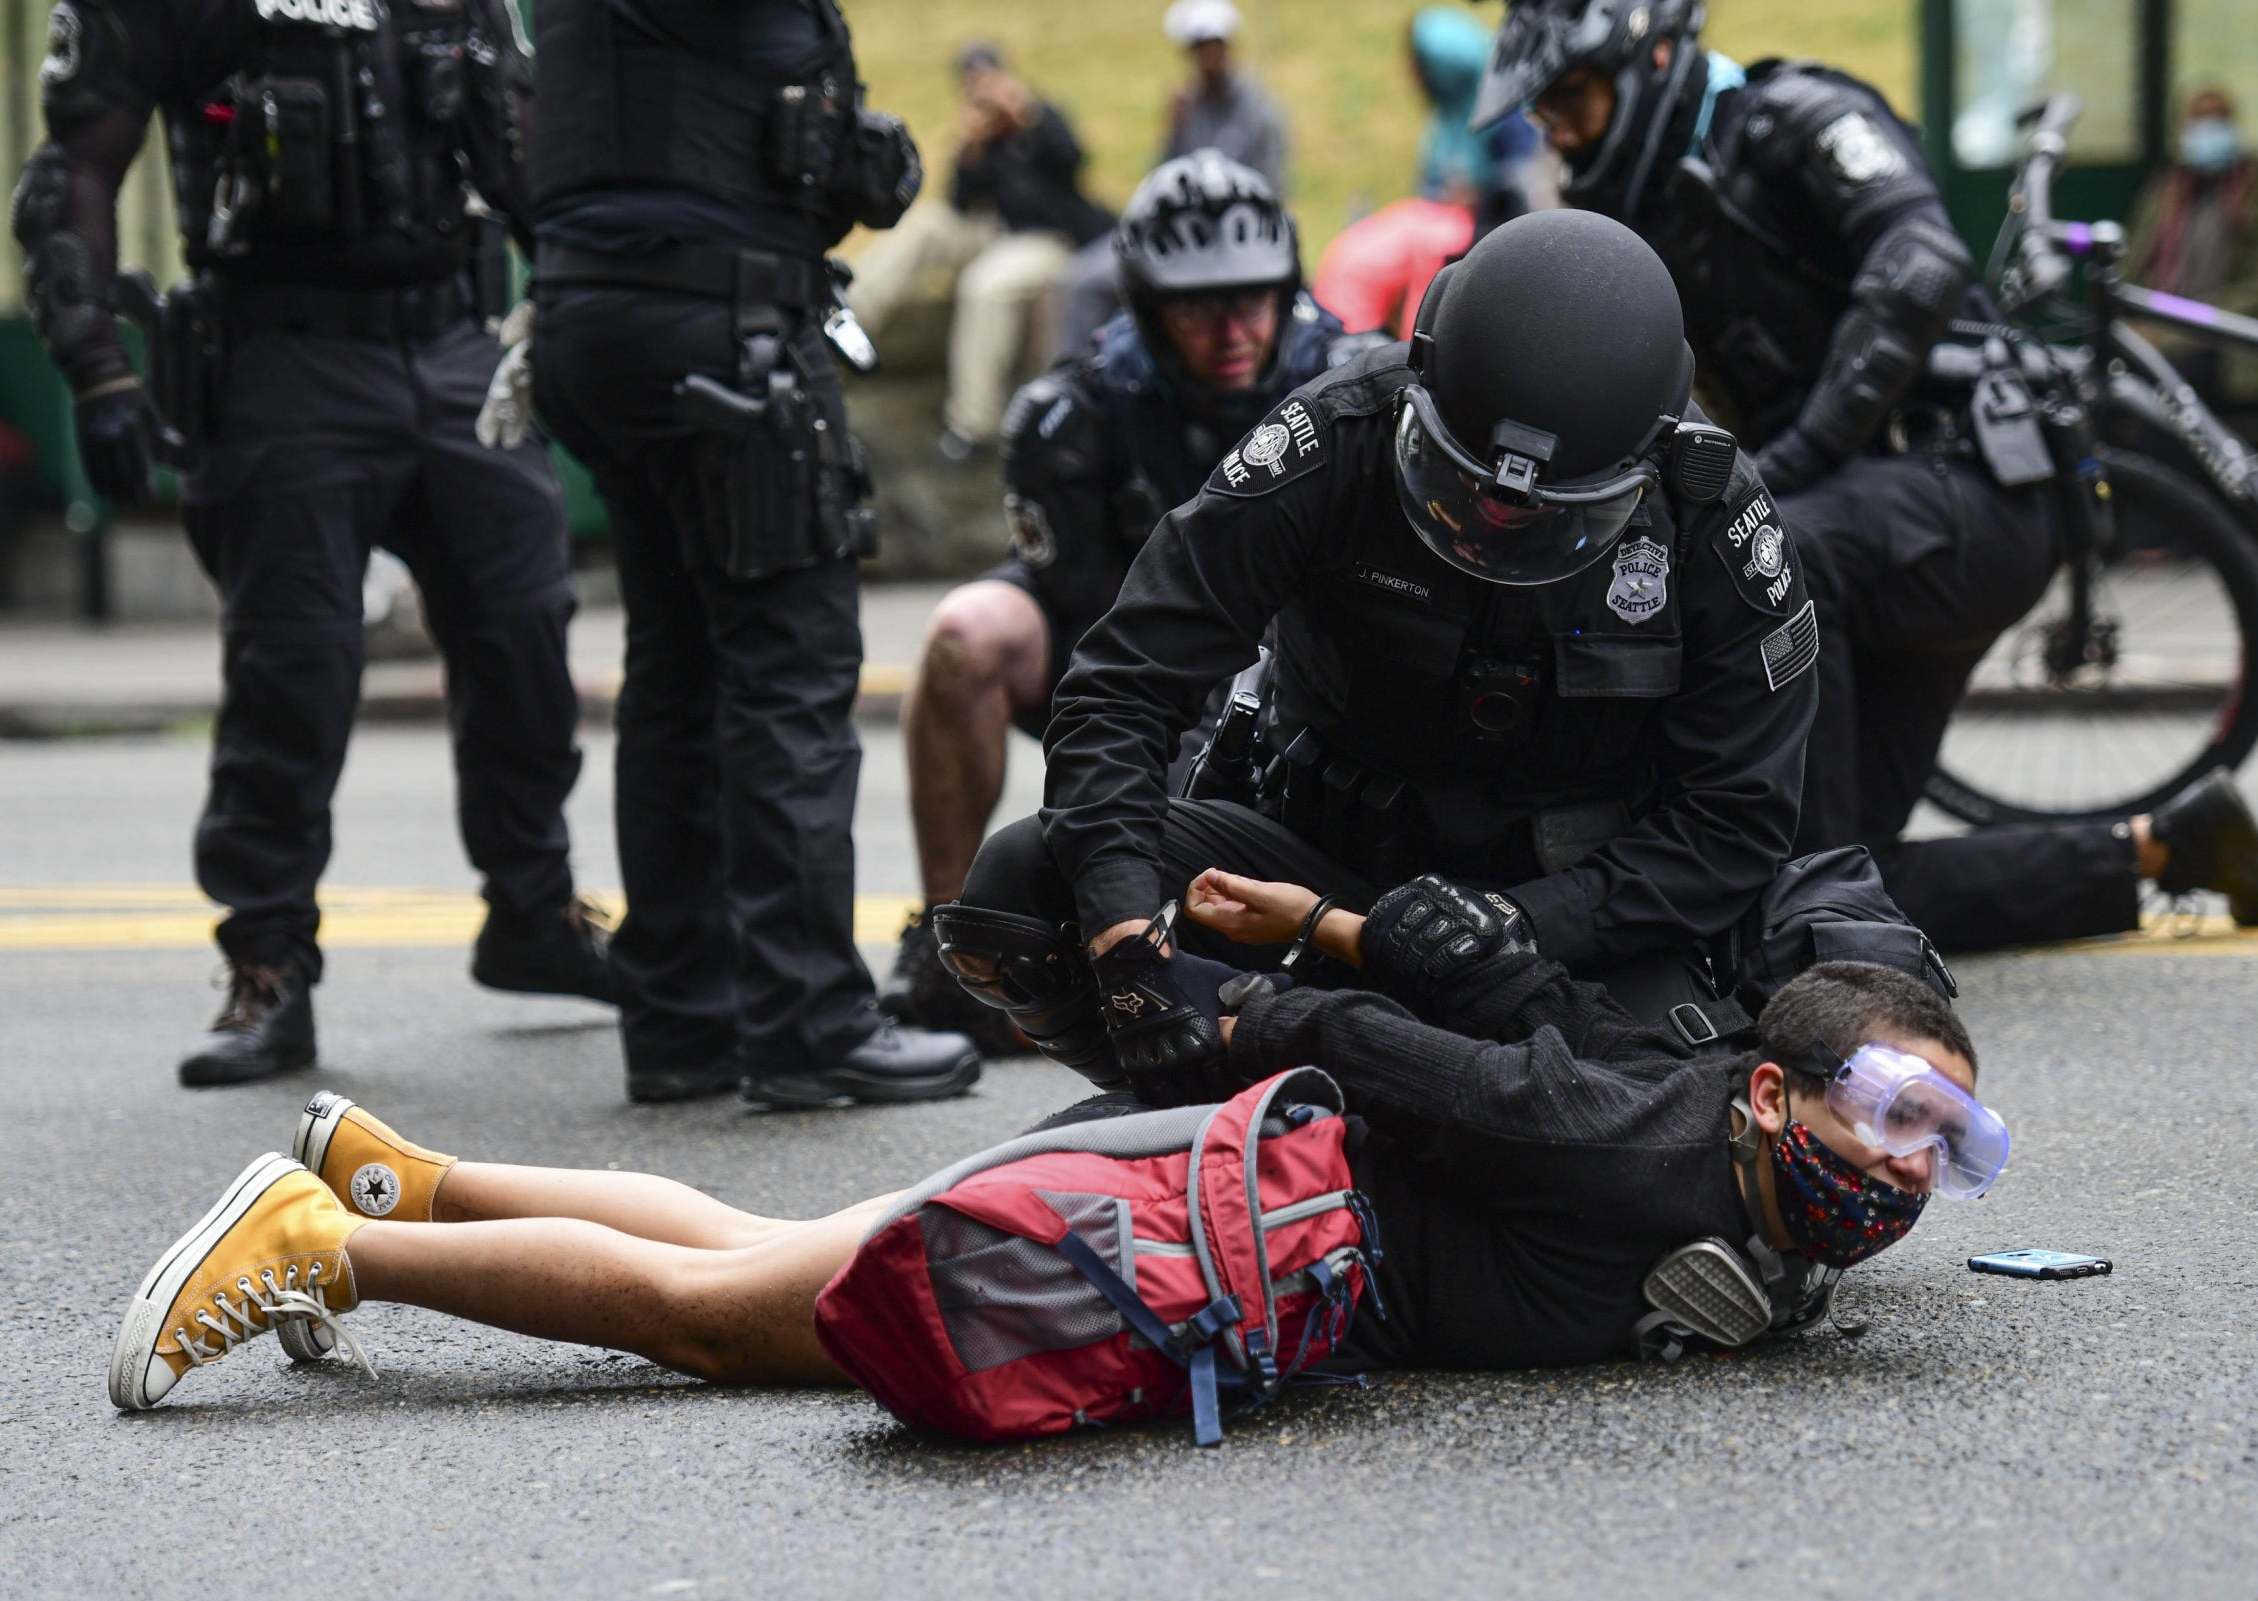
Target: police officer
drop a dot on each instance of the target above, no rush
(319, 378)
(1817, 268)
(1532, 626)
(1095, 452)
(713, 153)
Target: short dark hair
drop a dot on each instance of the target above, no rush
(1830, 1009)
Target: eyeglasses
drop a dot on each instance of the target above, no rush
(1185, 314)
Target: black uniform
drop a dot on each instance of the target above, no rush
(1098, 449)
(1619, 752)
(683, 211)
(1817, 267)
(322, 153)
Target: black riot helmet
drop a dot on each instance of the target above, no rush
(1201, 225)
(1551, 374)
(1542, 41)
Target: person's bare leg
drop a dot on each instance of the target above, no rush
(743, 1316)
(986, 657)
(641, 1204)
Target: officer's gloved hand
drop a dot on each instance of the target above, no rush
(507, 416)
(116, 430)
(1790, 463)
(1421, 937)
(1163, 1015)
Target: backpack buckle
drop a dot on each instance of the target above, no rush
(1693, 1024)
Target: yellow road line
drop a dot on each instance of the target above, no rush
(142, 917)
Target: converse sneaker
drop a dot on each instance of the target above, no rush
(270, 1254)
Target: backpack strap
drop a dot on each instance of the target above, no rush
(1203, 1329)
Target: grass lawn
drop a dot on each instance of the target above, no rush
(1337, 66)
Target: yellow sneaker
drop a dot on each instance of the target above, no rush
(369, 1168)
(373, 1171)
(270, 1254)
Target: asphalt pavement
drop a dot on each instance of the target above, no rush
(1983, 1437)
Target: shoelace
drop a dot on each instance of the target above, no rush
(245, 986)
(2181, 914)
(281, 1301)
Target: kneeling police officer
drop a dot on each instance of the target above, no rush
(1529, 628)
(1818, 270)
(1096, 451)
(317, 386)
(711, 156)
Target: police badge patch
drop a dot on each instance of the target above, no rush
(1755, 550)
(1858, 150)
(65, 45)
(1031, 537)
(1283, 448)
(1642, 580)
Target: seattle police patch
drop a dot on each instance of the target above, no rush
(1281, 450)
(1642, 580)
(1757, 553)
(1858, 151)
(66, 46)
(1031, 536)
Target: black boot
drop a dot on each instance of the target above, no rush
(2213, 841)
(894, 1064)
(653, 1086)
(267, 1027)
(920, 990)
(565, 951)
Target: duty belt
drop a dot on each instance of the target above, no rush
(421, 312)
(743, 277)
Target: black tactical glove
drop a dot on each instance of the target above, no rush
(1420, 937)
(115, 432)
(1161, 1013)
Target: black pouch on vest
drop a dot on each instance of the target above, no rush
(806, 134)
(436, 82)
(282, 156)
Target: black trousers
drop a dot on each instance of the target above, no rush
(1917, 564)
(323, 448)
(737, 755)
(1015, 872)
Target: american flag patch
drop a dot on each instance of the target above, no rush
(1791, 647)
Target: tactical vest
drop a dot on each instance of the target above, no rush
(1761, 295)
(337, 151)
(1496, 706)
(683, 105)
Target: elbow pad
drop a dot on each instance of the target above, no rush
(1902, 300)
(69, 308)
(879, 171)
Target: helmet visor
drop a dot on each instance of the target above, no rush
(1900, 1104)
(1536, 535)
(1536, 45)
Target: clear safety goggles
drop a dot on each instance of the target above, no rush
(1898, 1103)
(1495, 520)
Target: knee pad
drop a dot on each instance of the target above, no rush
(1035, 973)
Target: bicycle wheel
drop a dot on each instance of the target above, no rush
(2179, 593)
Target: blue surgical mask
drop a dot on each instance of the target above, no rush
(2209, 144)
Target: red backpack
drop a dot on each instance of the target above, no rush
(1113, 1271)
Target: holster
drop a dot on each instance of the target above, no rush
(782, 482)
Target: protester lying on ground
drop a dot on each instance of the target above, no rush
(1531, 1151)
